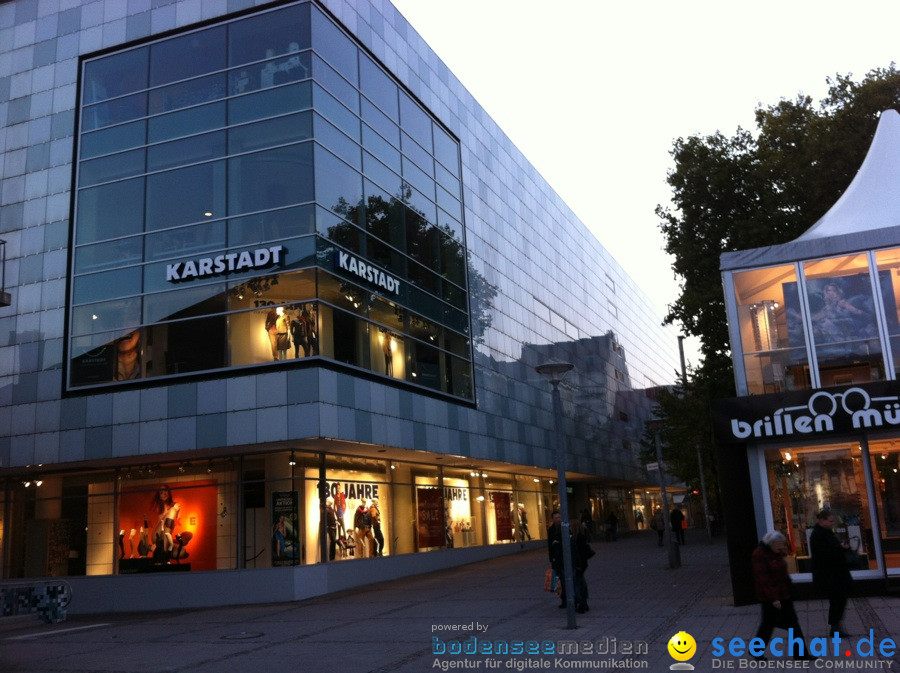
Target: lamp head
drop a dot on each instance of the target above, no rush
(554, 371)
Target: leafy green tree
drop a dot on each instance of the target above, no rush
(749, 190)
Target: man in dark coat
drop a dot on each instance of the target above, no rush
(555, 551)
(677, 518)
(831, 574)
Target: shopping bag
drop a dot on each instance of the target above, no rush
(548, 580)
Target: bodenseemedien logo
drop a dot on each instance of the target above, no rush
(682, 647)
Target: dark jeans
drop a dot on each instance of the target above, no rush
(379, 538)
(837, 601)
(581, 588)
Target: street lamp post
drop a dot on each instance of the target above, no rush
(671, 545)
(554, 373)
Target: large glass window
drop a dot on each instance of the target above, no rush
(888, 262)
(842, 315)
(242, 147)
(803, 481)
(772, 334)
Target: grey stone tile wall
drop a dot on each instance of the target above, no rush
(522, 239)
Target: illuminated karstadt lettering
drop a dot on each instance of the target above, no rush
(347, 262)
(226, 263)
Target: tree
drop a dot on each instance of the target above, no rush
(747, 191)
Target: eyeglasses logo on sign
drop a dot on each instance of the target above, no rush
(818, 414)
(227, 263)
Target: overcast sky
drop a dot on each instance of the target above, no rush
(594, 92)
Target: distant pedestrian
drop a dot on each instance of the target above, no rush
(588, 521)
(774, 591)
(581, 552)
(830, 571)
(612, 527)
(555, 551)
(658, 523)
(639, 519)
(677, 518)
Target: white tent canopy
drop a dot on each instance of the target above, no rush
(866, 216)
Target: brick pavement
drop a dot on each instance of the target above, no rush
(636, 601)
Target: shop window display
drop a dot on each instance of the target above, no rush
(803, 481)
(885, 463)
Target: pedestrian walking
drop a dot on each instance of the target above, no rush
(774, 591)
(677, 518)
(555, 551)
(830, 570)
(658, 523)
(581, 552)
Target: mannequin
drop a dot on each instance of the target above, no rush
(362, 522)
(386, 342)
(311, 345)
(167, 509)
(272, 331)
(282, 328)
(298, 336)
(331, 527)
(376, 528)
(340, 506)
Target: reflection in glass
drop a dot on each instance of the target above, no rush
(889, 275)
(115, 75)
(186, 195)
(842, 314)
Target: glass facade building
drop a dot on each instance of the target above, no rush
(278, 287)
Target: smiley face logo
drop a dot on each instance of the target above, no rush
(682, 646)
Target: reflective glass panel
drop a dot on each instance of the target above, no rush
(278, 131)
(114, 112)
(196, 53)
(120, 252)
(378, 87)
(269, 103)
(773, 338)
(113, 139)
(889, 281)
(112, 167)
(186, 122)
(271, 225)
(270, 179)
(265, 35)
(114, 75)
(187, 94)
(338, 187)
(110, 210)
(186, 151)
(186, 195)
(334, 46)
(842, 313)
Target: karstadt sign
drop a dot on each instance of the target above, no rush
(807, 414)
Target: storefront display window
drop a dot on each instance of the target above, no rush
(771, 327)
(803, 481)
(885, 462)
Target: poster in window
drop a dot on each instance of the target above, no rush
(169, 523)
(429, 517)
(285, 530)
(502, 515)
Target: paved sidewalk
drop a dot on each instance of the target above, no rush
(637, 605)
